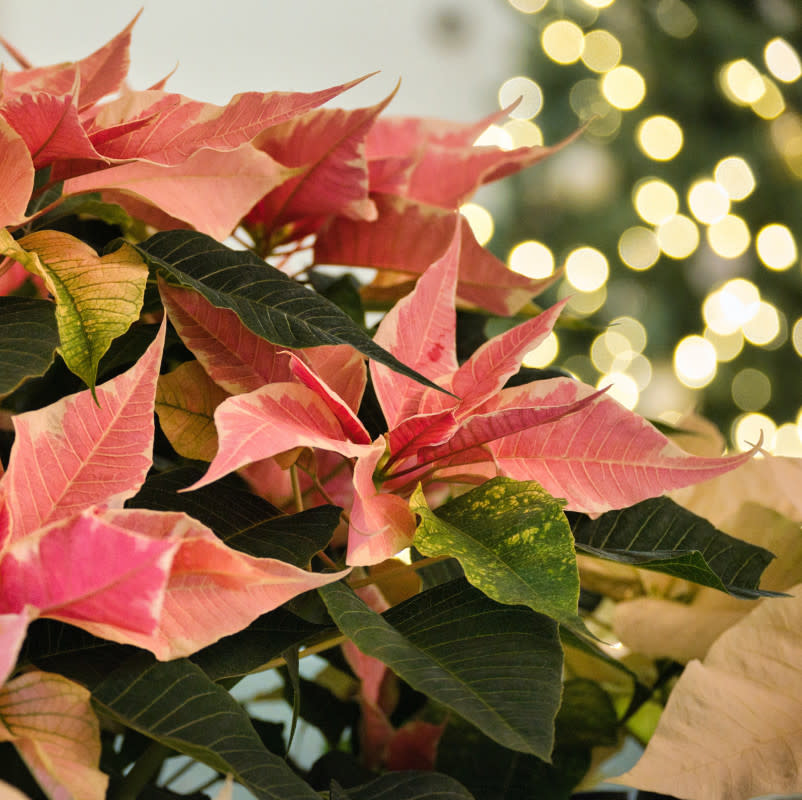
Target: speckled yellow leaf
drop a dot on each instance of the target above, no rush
(97, 297)
(513, 541)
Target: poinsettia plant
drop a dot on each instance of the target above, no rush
(213, 467)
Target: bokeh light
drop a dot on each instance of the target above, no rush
(796, 337)
(528, 6)
(765, 325)
(676, 18)
(741, 82)
(728, 346)
(678, 236)
(695, 361)
(532, 259)
(586, 269)
(623, 87)
(732, 306)
(494, 136)
(659, 137)
(729, 237)
(583, 304)
(544, 354)
(563, 41)
(525, 89)
(601, 51)
(523, 133)
(751, 389)
(638, 248)
(748, 429)
(708, 201)
(622, 387)
(735, 177)
(655, 201)
(771, 103)
(787, 441)
(782, 60)
(776, 246)
(480, 220)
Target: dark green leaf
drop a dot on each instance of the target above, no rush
(250, 649)
(587, 716)
(498, 666)
(42, 197)
(240, 518)
(660, 535)
(343, 291)
(513, 541)
(492, 772)
(270, 304)
(178, 705)
(570, 639)
(409, 785)
(28, 340)
(58, 647)
(290, 656)
(319, 707)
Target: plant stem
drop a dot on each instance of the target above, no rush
(413, 567)
(296, 489)
(145, 768)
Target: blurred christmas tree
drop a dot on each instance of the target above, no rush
(678, 212)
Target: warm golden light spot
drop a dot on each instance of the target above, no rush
(586, 269)
(655, 201)
(735, 177)
(708, 201)
(623, 388)
(676, 18)
(695, 362)
(748, 429)
(525, 89)
(786, 134)
(602, 51)
(796, 337)
(494, 136)
(480, 220)
(776, 246)
(787, 441)
(532, 259)
(563, 41)
(765, 325)
(582, 304)
(771, 103)
(640, 368)
(523, 133)
(678, 236)
(728, 345)
(544, 354)
(623, 87)
(741, 82)
(729, 237)
(659, 137)
(732, 306)
(782, 60)
(528, 6)
(599, 3)
(638, 248)
(751, 389)
(632, 329)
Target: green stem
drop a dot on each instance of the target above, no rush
(145, 768)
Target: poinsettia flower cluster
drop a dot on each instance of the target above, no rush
(575, 441)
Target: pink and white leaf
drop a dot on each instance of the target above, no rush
(116, 577)
(50, 127)
(420, 331)
(181, 127)
(484, 374)
(271, 420)
(12, 634)
(16, 171)
(408, 237)
(50, 721)
(601, 457)
(342, 368)
(351, 424)
(210, 190)
(213, 590)
(77, 453)
(380, 524)
(234, 357)
(326, 147)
